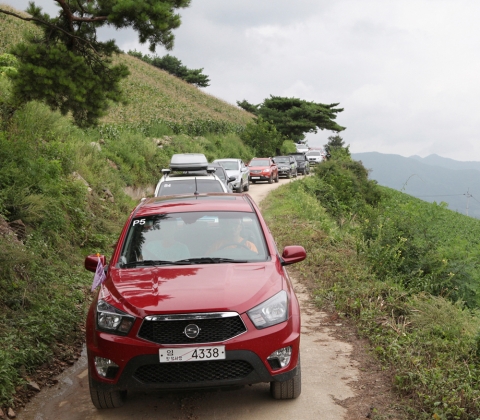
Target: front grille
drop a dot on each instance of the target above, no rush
(211, 330)
(191, 372)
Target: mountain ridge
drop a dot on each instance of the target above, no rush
(433, 179)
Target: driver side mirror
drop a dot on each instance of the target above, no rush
(293, 254)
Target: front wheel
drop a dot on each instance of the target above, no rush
(247, 187)
(287, 390)
(276, 178)
(102, 398)
(270, 180)
(240, 187)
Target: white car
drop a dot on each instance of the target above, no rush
(193, 175)
(315, 156)
(236, 168)
(301, 148)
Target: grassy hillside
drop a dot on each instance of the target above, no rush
(65, 193)
(152, 94)
(407, 274)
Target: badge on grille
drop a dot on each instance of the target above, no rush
(191, 331)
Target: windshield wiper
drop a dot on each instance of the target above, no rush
(147, 263)
(209, 260)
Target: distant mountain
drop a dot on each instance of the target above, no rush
(448, 163)
(432, 178)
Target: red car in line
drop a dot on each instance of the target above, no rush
(263, 169)
(195, 296)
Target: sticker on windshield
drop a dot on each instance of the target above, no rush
(138, 222)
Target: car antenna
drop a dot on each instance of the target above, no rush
(196, 187)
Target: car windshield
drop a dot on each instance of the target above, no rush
(189, 186)
(314, 154)
(259, 162)
(282, 159)
(193, 238)
(230, 165)
(300, 157)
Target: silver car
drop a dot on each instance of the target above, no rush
(236, 168)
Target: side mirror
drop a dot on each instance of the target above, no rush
(231, 179)
(91, 262)
(293, 254)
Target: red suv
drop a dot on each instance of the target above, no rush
(195, 295)
(263, 169)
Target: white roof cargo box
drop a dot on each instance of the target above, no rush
(188, 162)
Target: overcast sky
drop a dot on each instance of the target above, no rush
(406, 72)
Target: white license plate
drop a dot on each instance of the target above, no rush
(255, 177)
(192, 354)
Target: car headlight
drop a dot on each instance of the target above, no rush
(113, 320)
(271, 312)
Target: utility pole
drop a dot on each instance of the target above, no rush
(468, 198)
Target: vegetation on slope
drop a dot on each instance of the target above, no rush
(403, 270)
(153, 96)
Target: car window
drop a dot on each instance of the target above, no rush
(282, 160)
(260, 162)
(235, 236)
(189, 186)
(230, 165)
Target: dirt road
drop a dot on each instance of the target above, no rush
(327, 370)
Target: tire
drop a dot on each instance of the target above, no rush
(101, 398)
(270, 180)
(276, 178)
(289, 175)
(287, 390)
(247, 186)
(240, 187)
(253, 182)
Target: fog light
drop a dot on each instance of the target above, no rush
(106, 368)
(280, 358)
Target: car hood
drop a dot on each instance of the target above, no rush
(233, 172)
(198, 288)
(258, 168)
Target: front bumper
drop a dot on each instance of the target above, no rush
(241, 367)
(245, 363)
(260, 177)
(284, 171)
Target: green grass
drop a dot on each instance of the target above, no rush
(429, 345)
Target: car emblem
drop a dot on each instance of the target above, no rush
(191, 331)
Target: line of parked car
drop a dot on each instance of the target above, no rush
(192, 173)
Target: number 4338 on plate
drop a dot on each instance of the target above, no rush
(192, 354)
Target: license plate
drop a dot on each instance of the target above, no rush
(192, 354)
(255, 177)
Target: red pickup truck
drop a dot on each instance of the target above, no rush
(263, 169)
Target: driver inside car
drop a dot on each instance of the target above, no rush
(231, 237)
